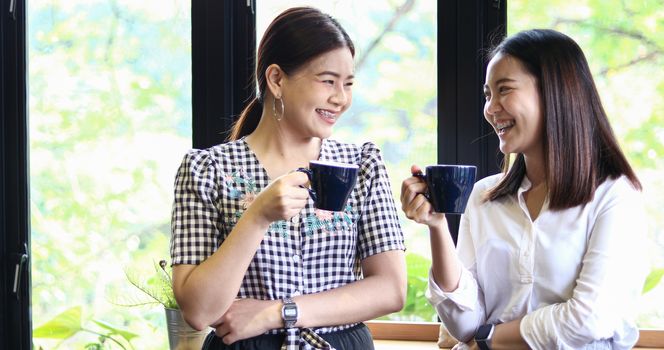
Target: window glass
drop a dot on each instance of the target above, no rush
(110, 118)
(623, 43)
(394, 103)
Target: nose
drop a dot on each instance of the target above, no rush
(340, 96)
(492, 106)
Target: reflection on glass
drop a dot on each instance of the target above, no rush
(110, 117)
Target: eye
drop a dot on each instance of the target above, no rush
(349, 84)
(487, 95)
(328, 82)
(504, 89)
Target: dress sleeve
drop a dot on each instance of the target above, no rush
(609, 284)
(378, 225)
(194, 220)
(462, 310)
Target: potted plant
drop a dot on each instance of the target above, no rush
(159, 290)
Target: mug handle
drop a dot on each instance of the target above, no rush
(310, 175)
(423, 178)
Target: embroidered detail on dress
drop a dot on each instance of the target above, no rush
(280, 227)
(242, 187)
(329, 221)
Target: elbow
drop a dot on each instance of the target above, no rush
(194, 321)
(397, 301)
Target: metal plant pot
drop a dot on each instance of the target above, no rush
(180, 335)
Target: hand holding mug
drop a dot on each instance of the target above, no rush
(282, 199)
(449, 186)
(443, 189)
(414, 202)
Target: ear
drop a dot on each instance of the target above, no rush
(274, 77)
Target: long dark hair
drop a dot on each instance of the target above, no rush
(580, 148)
(293, 38)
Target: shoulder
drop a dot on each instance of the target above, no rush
(620, 189)
(212, 158)
(363, 155)
(481, 187)
(488, 182)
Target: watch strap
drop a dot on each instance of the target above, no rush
(484, 335)
(289, 312)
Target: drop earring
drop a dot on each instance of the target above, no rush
(274, 108)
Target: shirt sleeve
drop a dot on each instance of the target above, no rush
(462, 310)
(194, 229)
(378, 225)
(609, 283)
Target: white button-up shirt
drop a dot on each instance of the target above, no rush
(575, 274)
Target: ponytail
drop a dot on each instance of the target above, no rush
(248, 120)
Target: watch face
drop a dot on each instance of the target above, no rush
(484, 331)
(290, 312)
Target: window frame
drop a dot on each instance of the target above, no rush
(15, 318)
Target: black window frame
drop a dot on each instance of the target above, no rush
(15, 317)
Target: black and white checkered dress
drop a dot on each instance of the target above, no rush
(313, 252)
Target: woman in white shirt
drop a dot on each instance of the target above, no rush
(550, 252)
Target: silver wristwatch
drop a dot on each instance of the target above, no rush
(289, 313)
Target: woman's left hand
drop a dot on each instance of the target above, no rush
(248, 318)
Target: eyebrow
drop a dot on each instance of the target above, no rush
(500, 81)
(334, 74)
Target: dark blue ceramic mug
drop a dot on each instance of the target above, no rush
(449, 186)
(331, 183)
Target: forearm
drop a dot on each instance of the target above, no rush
(445, 264)
(206, 292)
(375, 295)
(508, 336)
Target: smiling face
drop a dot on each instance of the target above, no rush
(318, 93)
(513, 106)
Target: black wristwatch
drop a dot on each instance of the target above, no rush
(289, 313)
(483, 336)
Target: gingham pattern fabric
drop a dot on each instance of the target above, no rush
(313, 252)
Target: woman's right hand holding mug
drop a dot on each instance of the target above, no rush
(414, 202)
(282, 199)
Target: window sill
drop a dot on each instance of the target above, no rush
(424, 335)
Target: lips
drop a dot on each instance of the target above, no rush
(327, 115)
(503, 126)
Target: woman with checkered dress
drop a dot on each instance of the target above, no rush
(253, 258)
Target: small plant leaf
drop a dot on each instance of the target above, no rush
(115, 330)
(62, 326)
(653, 280)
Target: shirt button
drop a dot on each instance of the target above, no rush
(296, 258)
(295, 293)
(526, 279)
(294, 219)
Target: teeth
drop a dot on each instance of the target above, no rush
(501, 126)
(326, 114)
